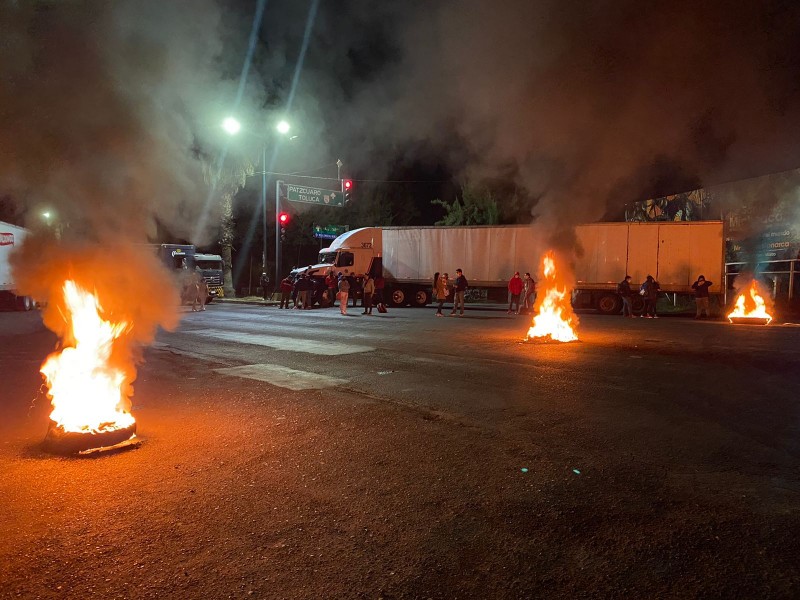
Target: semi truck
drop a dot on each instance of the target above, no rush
(11, 237)
(674, 253)
(183, 259)
(210, 266)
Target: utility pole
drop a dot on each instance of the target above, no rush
(277, 231)
(264, 206)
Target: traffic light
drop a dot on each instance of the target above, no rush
(283, 219)
(347, 188)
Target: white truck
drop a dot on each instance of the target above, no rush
(674, 253)
(11, 237)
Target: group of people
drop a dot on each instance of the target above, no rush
(649, 292)
(521, 293)
(338, 287)
(442, 288)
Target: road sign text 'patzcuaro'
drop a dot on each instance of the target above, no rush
(310, 195)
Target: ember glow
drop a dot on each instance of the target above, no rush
(750, 305)
(554, 317)
(87, 391)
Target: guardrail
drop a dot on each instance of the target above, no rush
(781, 276)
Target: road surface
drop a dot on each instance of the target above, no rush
(300, 454)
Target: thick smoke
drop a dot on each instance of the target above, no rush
(108, 112)
(591, 104)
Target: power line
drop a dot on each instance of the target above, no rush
(351, 179)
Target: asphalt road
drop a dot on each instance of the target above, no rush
(304, 454)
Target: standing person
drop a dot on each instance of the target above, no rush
(700, 288)
(460, 290)
(344, 289)
(263, 281)
(286, 292)
(650, 288)
(440, 290)
(354, 287)
(380, 283)
(369, 290)
(303, 287)
(625, 292)
(200, 288)
(331, 284)
(528, 292)
(515, 289)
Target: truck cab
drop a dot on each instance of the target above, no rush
(210, 266)
(352, 253)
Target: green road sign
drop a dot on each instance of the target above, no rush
(329, 232)
(309, 195)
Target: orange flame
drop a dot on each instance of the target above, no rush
(750, 305)
(554, 318)
(87, 392)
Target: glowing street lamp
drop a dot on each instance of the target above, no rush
(231, 125)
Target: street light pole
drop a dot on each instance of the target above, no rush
(264, 207)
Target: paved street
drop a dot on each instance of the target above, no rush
(306, 454)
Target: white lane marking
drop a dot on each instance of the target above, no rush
(283, 376)
(325, 348)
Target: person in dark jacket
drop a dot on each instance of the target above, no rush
(700, 288)
(626, 293)
(458, 296)
(650, 287)
(303, 286)
(263, 281)
(380, 283)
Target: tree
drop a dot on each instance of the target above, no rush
(476, 206)
(225, 180)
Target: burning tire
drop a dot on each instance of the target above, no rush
(58, 441)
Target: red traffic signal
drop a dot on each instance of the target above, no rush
(347, 185)
(283, 218)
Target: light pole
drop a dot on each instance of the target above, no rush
(232, 127)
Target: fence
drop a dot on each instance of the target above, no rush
(780, 277)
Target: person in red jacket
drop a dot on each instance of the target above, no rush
(286, 292)
(515, 289)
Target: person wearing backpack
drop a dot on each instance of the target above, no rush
(625, 292)
(458, 296)
(650, 288)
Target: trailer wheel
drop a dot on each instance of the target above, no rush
(609, 304)
(637, 305)
(421, 298)
(24, 303)
(398, 297)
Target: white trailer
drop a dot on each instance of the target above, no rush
(11, 237)
(674, 253)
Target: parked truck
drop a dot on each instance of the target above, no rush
(210, 266)
(11, 237)
(674, 253)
